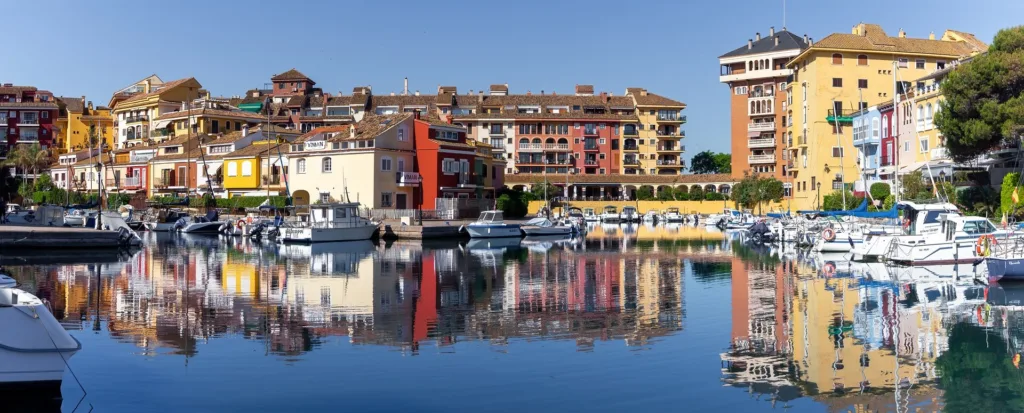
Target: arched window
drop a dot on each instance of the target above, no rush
(536, 140)
(920, 115)
(524, 143)
(928, 114)
(885, 127)
(300, 165)
(232, 169)
(837, 58)
(325, 165)
(862, 60)
(246, 168)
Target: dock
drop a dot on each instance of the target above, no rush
(27, 236)
(429, 230)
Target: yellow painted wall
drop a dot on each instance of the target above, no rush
(685, 207)
(927, 130)
(240, 279)
(240, 181)
(205, 122)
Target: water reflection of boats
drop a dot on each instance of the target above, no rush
(492, 243)
(1006, 295)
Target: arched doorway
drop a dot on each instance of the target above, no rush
(300, 199)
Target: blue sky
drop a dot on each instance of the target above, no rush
(669, 47)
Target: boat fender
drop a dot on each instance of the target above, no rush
(829, 269)
(828, 234)
(983, 246)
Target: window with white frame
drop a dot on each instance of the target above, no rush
(325, 165)
(300, 166)
(401, 134)
(246, 168)
(875, 127)
(924, 145)
(906, 146)
(325, 197)
(920, 116)
(385, 164)
(740, 90)
(928, 115)
(232, 169)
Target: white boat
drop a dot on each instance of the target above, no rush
(46, 215)
(575, 215)
(75, 218)
(209, 224)
(610, 215)
(590, 216)
(491, 224)
(958, 243)
(919, 219)
(544, 226)
(330, 222)
(651, 217)
(629, 214)
(673, 215)
(34, 347)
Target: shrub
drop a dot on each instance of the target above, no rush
(880, 190)
(1006, 193)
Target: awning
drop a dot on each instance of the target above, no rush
(753, 134)
(251, 107)
(160, 124)
(924, 166)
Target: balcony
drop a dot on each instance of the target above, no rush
(160, 133)
(761, 106)
(630, 132)
(589, 147)
(496, 132)
(592, 131)
(939, 153)
(761, 143)
(590, 162)
(531, 147)
(28, 122)
(408, 178)
(672, 118)
(672, 163)
(843, 116)
(671, 134)
(556, 146)
(761, 127)
(167, 183)
(671, 148)
(630, 148)
(761, 159)
(137, 118)
(631, 161)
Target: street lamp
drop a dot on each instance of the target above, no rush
(942, 176)
(819, 196)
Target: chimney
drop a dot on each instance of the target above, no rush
(805, 38)
(528, 93)
(392, 93)
(771, 31)
(245, 130)
(149, 84)
(352, 131)
(931, 36)
(903, 34)
(417, 93)
(758, 36)
(405, 88)
(90, 106)
(810, 41)
(448, 118)
(750, 44)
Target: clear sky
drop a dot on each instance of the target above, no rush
(669, 47)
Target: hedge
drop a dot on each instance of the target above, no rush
(238, 202)
(58, 196)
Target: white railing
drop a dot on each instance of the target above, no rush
(761, 126)
(557, 146)
(133, 181)
(530, 146)
(940, 153)
(761, 158)
(761, 143)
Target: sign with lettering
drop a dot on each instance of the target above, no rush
(139, 157)
(314, 145)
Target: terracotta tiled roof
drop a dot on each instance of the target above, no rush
(467, 100)
(341, 100)
(28, 105)
(258, 148)
(435, 121)
(401, 101)
(163, 88)
(290, 74)
(211, 112)
(971, 40)
(621, 178)
(875, 39)
(452, 144)
(444, 99)
(16, 90)
(371, 126)
(192, 155)
(230, 137)
(72, 105)
(586, 89)
(499, 88)
(555, 116)
(322, 129)
(296, 101)
(645, 98)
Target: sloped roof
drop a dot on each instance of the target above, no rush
(645, 98)
(787, 41)
(291, 74)
(874, 39)
(258, 148)
(16, 90)
(163, 88)
(72, 105)
(210, 112)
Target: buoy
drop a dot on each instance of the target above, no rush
(983, 246)
(828, 234)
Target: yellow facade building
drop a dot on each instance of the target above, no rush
(77, 120)
(208, 115)
(135, 117)
(839, 75)
(256, 169)
(659, 146)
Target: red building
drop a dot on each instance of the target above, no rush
(445, 161)
(26, 115)
(887, 163)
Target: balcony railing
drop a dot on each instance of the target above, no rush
(531, 147)
(939, 153)
(590, 147)
(671, 118)
(761, 93)
(630, 132)
(557, 146)
(590, 162)
(631, 161)
(590, 131)
(761, 143)
(670, 148)
(844, 115)
(631, 148)
(494, 131)
(28, 121)
(761, 127)
(137, 118)
(408, 178)
(167, 182)
(669, 162)
(761, 158)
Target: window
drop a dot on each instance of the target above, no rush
(920, 116)
(919, 64)
(325, 165)
(837, 82)
(600, 156)
(401, 134)
(939, 64)
(740, 90)
(232, 169)
(874, 128)
(837, 59)
(385, 164)
(401, 164)
(924, 145)
(246, 168)
(601, 141)
(903, 62)
(862, 60)
(300, 165)
(885, 128)
(44, 115)
(906, 146)
(804, 88)
(385, 199)
(601, 171)
(862, 83)
(837, 151)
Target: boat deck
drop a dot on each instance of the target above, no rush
(27, 236)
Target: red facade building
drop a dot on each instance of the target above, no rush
(890, 151)
(444, 160)
(26, 115)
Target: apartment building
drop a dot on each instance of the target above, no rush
(136, 114)
(27, 115)
(78, 120)
(841, 75)
(756, 74)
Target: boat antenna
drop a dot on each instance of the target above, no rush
(839, 143)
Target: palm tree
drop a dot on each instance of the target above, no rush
(29, 157)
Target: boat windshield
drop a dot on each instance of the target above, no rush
(673, 210)
(610, 209)
(978, 227)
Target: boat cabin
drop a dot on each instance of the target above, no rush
(576, 212)
(672, 210)
(347, 213)
(610, 209)
(958, 227)
(491, 217)
(628, 210)
(924, 219)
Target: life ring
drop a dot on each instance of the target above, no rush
(829, 234)
(829, 269)
(240, 224)
(983, 246)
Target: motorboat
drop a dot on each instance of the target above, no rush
(918, 219)
(46, 215)
(330, 222)
(491, 224)
(544, 226)
(651, 217)
(629, 214)
(590, 216)
(673, 215)
(964, 239)
(34, 347)
(575, 215)
(207, 224)
(610, 215)
(75, 218)
(164, 220)
(128, 214)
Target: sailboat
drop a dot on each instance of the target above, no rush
(209, 223)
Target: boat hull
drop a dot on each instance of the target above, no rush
(159, 226)
(202, 227)
(306, 235)
(541, 231)
(493, 231)
(961, 252)
(1005, 269)
(35, 346)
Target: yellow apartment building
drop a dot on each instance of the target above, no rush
(256, 169)
(660, 131)
(77, 120)
(841, 74)
(135, 117)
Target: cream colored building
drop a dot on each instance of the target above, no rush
(354, 163)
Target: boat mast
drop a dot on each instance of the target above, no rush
(839, 142)
(895, 124)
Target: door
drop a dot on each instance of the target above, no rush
(182, 177)
(400, 201)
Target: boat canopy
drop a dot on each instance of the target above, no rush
(863, 207)
(539, 222)
(491, 216)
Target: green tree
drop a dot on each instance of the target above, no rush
(29, 158)
(696, 194)
(538, 190)
(645, 193)
(753, 191)
(880, 191)
(984, 98)
(708, 162)
(834, 201)
(44, 183)
(667, 194)
(913, 186)
(1010, 182)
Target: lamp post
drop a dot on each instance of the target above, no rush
(819, 196)
(942, 176)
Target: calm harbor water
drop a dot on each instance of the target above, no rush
(632, 318)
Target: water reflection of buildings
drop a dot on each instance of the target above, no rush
(850, 343)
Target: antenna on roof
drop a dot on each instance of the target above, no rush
(783, 14)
